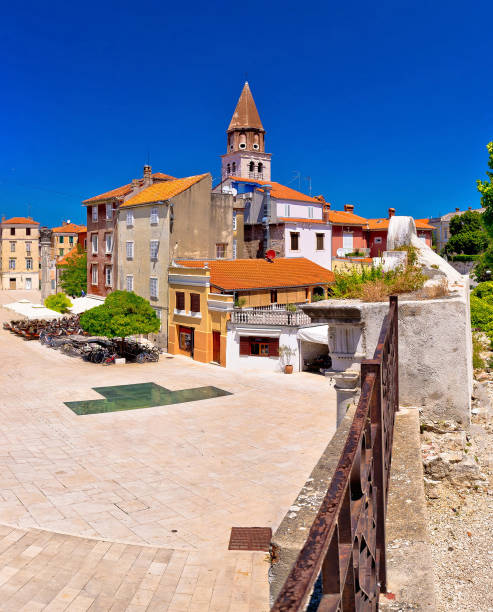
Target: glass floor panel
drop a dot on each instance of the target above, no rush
(141, 395)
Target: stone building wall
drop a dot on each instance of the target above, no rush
(254, 237)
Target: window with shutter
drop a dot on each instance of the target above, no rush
(244, 345)
(180, 300)
(195, 302)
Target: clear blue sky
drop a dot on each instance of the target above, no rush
(381, 104)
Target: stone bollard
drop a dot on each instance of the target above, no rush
(347, 388)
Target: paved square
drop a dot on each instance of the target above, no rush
(171, 478)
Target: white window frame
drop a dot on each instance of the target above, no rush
(130, 249)
(235, 250)
(154, 249)
(317, 234)
(129, 282)
(29, 263)
(130, 218)
(109, 212)
(108, 276)
(108, 246)
(94, 213)
(310, 212)
(153, 282)
(94, 274)
(154, 215)
(12, 263)
(28, 247)
(234, 220)
(94, 244)
(287, 210)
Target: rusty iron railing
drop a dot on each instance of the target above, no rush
(346, 543)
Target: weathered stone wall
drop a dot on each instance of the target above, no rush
(254, 236)
(435, 348)
(463, 267)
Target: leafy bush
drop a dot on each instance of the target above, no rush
(373, 284)
(484, 291)
(481, 313)
(463, 257)
(123, 314)
(73, 273)
(290, 307)
(59, 302)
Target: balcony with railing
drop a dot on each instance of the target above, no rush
(269, 317)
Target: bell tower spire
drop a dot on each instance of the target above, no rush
(246, 156)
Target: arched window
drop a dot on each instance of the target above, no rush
(234, 167)
(242, 140)
(251, 167)
(228, 169)
(260, 167)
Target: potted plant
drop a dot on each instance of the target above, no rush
(286, 353)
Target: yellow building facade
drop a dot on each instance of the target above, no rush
(197, 323)
(19, 253)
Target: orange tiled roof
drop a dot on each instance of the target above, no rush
(161, 175)
(119, 192)
(69, 228)
(72, 251)
(233, 275)
(423, 224)
(164, 190)
(299, 220)
(278, 191)
(383, 224)
(340, 217)
(21, 221)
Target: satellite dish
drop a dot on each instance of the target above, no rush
(270, 254)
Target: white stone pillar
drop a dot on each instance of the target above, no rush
(347, 388)
(45, 247)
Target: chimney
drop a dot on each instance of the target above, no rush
(147, 175)
(348, 208)
(469, 208)
(391, 212)
(457, 210)
(326, 212)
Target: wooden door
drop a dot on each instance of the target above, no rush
(12, 283)
(216, 347)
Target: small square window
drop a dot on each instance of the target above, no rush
(220, 251)
(28, 231)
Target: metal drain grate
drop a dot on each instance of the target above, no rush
(250, 538)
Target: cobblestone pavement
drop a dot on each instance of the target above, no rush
(176, 477)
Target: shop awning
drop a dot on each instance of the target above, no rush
(317, 333)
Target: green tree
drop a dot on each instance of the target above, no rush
(467, 234)
(58, 302)
(73, 273)
(123, 314)
(484, 268)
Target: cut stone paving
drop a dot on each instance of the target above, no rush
(176, 476)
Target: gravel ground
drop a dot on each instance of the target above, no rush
(461, 528)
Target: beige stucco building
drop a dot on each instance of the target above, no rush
(178, 218)
(19, 265)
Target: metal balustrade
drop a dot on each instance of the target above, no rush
(346, 542)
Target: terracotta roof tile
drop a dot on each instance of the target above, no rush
(21, 221)
(299, 220)
(278, 191)
(339, 217)
(423, 224)
(69, 228)
(119, 192)
(258, 273)
(161, 175)
(246, 113)
(164, 190)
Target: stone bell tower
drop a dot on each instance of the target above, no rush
(246, 156)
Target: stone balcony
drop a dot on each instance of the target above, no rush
(269, 317)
